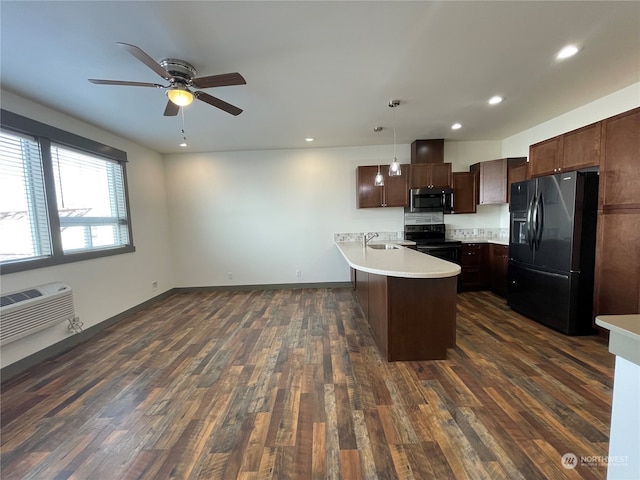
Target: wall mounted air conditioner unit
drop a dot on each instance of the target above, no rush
(27, 311)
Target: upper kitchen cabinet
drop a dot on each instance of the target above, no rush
(427, 151)
(430, 175)
(581, 148)
(620, 171)
(544, 157)
(464, 192)
(494, 179)
(394, 193)
(572, 151)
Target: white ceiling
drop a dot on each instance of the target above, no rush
(321, 69)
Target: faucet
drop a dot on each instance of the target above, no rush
(367, 238)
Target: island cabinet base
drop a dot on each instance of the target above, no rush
(411, 318)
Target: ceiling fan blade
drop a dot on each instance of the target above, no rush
(146, 59)
(128, 84)
(171, 110)
(222, 80)
(216, 102)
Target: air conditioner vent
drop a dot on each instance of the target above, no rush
(19, 297)
(28, 311)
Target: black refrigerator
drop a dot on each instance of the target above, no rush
(552, 250)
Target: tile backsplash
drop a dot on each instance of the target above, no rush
(464, 234)
(357, 237)
(477, 234)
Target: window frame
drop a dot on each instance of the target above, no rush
(45, 135)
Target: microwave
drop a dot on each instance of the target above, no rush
(431, 200)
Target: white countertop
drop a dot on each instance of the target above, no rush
(401, 262)
(624, 340)
(497, 241)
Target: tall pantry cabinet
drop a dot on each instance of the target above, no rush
(617, 282)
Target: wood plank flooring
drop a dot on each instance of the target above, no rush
(282, 384)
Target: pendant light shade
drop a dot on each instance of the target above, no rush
(394, 168)
(379, 180)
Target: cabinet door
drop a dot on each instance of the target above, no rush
(499, 259)
(493, 182)
(464, 192)
(620, 169)
(396, 189)
(368, 195)
(474, 265)
(441, 175)
(515, 175)
(617, 275)
(581, 147)
(431, 175)
(420, 175)
(544, 157)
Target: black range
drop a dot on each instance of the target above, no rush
(430, 238)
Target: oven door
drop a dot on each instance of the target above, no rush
(448, 253)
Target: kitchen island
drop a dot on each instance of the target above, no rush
(408, 298)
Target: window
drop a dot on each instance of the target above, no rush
(63, 198)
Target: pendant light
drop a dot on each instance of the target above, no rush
(394, 168)
(379, 180)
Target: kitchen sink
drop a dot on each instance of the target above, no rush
(383, 246)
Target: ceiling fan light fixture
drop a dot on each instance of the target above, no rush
(180, 96)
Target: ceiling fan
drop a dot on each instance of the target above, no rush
(181, 76)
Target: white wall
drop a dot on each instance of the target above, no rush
(107, 286)
(263, 215)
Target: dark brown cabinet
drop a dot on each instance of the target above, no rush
(620, 171)
(430, 175)
(493, 179)
(394, 193)
(427, 151)
(574, 150)
(617, 269)
(544, 157)
(499, 267)
(464, 192)
(474, 264)
(514, 175)
(581, 148)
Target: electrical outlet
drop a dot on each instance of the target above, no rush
(230, 275)
(298, 273)
(154, 286)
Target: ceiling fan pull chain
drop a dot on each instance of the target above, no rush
(184, 136)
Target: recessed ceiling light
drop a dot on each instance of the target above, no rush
(496, 99)
(183, 144)
(566, 52)
(309, 139)
(456, 126)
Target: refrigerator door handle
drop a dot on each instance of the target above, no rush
(539, 220)
(530, 230)
(534, 222)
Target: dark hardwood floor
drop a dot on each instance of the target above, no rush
(289, 384)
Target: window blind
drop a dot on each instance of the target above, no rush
(24, 224)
